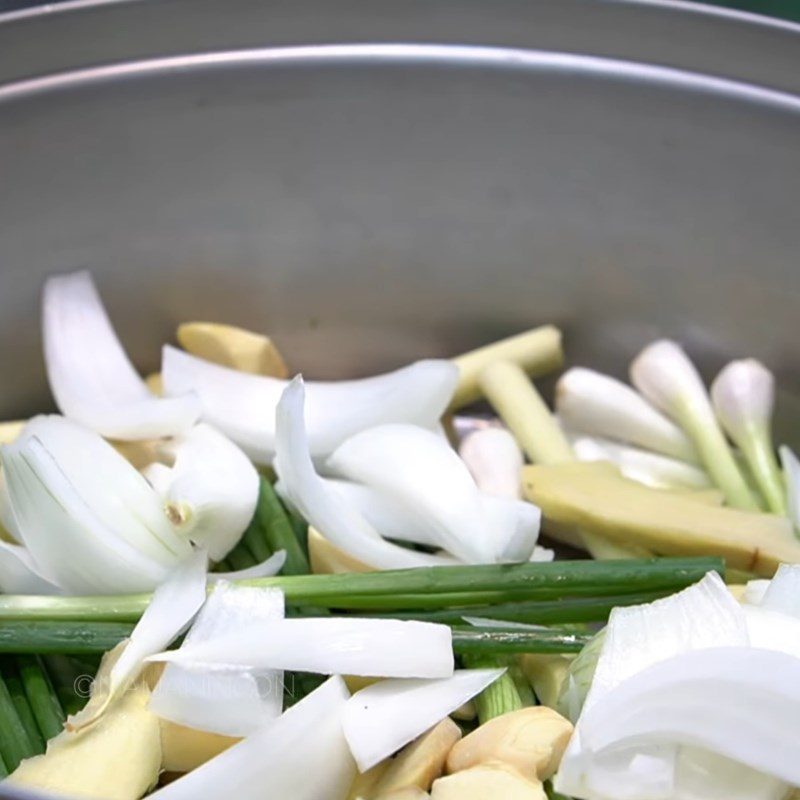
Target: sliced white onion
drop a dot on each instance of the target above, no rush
(783, 592)
(329, 645)
(91, 377)
(487, 622)
(171, 610)
(320, 505)
(791, 475)
(243, 406)
(384, 717)
(416, 468)
(89, 520)
(302, 755)
(210, 491)
(651, 469)
(266, 569)
(542, 554)
(597, 404)
(703, 615)
(229, 702)
(739, 702)
(18, 573)
(517, 520)
(772, 630)
(754, 591)
(494, 460)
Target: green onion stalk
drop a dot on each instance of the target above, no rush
(426, 589)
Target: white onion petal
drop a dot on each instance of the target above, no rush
(329, 645)
(416, 468)
(302, 755)
(227, 702)
(791, 476)
(88, 519)
(320, 505)
(243, 406)
(18, 573)
(91, 377)
(384, 717)
(266, 569)
(211, 489)
(494, 460)
(172, 608)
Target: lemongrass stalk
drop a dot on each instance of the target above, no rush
(498, 698)
(743, 395)
(663, 373)
(521, 407)
(527, 416)
(536, 352)
(542, 580)
(42, 696)
(278, 530)
(15, 745)
(24, 711)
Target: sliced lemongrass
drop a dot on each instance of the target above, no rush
(379, 720)
(18, 573)
(347, 646)
(89, 520)
(243, 406)
(174, 605)
(265, 569)
(10, 430)
(212, 491)
(522, 408)
(232, 347)
(791, 475)
(301, 755)
(738, 702)
(227, 702)
(415, 468)
(322, 507)
(663, 373)
(494, 460)
(744, 396)
(651, 469)
(537, 352)
(592, 403)
(91, 377)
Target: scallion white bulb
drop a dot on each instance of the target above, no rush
(665, 375)
(744, 395)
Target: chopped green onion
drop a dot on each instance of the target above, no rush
(42, 696)
(15, 744)
(241, 557)
(279, 531)
(46, 636)
(538, 612)
(467, 584)
(493, 641)
(24, 711)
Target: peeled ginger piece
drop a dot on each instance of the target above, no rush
(117, 758)
(602, 502)
(184, 749)
(233, 347)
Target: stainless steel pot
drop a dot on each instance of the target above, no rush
(377, 181)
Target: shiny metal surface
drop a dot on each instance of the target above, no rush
(368, 205)
(669, 32)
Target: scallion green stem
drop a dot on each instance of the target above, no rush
(440, 586)
(24, 711)
(42, 696)
(279, 532)
(536, 612)
(241, 557)
(255, 540)
(72, 679)
(15, 744)
(484, 641)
